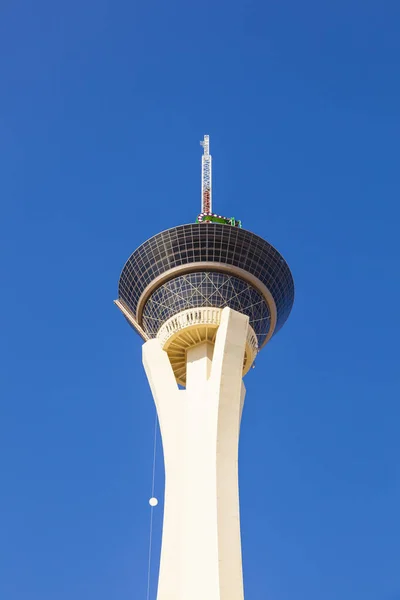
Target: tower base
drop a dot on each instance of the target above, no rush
(201, 547)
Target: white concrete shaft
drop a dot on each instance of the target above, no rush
(201, 549)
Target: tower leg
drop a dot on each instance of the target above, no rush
(201, 548)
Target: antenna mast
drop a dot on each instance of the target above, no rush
(206, 188)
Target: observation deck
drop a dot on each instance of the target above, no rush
(206, 265)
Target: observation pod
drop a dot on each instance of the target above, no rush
(205, 298)
(169, 281)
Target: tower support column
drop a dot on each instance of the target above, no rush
(201, 547)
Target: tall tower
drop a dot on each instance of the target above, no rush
(205, 298)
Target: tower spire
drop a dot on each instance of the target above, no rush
(206, 181)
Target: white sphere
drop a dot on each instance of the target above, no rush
(153, 501)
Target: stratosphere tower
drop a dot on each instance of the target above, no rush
(205, 298)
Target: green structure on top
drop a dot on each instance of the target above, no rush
(213, 218)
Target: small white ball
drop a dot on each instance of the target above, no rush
(153, 501)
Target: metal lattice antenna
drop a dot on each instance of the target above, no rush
(206, 186)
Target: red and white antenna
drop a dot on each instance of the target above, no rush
(206, 187)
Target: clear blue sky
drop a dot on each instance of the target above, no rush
(102, 107)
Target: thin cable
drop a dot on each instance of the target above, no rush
(154, 455)
(152, 508)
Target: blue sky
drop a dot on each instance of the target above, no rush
(102, 107)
